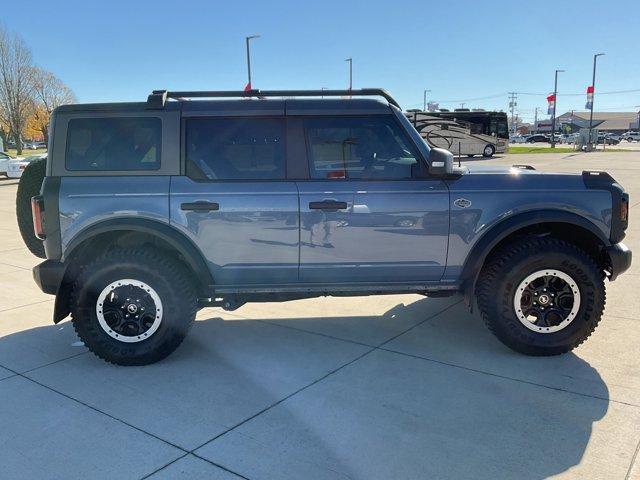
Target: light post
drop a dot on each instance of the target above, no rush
(249, 86)
(350, 60)
(555, 106)
(593, 85)
(424, 100)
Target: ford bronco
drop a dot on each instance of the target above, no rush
(152, 210)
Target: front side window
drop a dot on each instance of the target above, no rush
(372, 148)
(112, 144)
(235, 148)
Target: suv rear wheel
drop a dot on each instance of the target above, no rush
(133, 307)
(541, 296)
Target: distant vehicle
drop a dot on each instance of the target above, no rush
(463, 132)
(519, 139)
(5, 158)
(41, 145)
(572, 138)
(15, 167)
(538, 137)
(607, 139)
(631, 136)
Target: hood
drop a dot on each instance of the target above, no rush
(517, 170)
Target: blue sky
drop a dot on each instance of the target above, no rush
(120, 50)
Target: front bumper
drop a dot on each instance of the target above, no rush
(619, 259)
(48, 276)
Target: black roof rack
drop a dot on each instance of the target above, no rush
(158, 98)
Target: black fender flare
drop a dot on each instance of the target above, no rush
(479, 252)
(172, 236)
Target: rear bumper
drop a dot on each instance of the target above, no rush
(619, 259)
(48, 275)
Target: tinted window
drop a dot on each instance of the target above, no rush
(235, 149)
(104, 144)
(358, 148)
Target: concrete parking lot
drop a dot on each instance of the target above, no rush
(389, 387)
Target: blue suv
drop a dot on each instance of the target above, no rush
(152, 210)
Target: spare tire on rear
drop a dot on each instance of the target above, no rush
(29, 186)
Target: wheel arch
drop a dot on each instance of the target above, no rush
(105, 233)
(555, 222)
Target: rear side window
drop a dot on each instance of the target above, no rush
(112, 144)
(372, 148)
(235, 148)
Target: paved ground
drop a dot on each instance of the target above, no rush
(397, 387)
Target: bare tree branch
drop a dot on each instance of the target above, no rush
(49, 93)
(16, 84)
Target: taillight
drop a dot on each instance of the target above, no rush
(624, 210)
(37, 210)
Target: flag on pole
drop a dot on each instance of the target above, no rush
(247, 87)
(589, 103)
(552, 104)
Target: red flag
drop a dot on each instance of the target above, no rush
(589, 103)
(551, 110)
(247, 87)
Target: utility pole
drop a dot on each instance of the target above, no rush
(250, 37)
(535, 121)
(462, 105)
(424, 100)
(555, 106)
(593, 84)
(513, 97)
(350, 60)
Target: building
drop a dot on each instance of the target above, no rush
(613, 122)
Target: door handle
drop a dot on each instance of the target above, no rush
(330, 205)
(200, 206)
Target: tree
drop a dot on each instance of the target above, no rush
(49, 93)
(16, 84)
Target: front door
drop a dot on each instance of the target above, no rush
(366, 216)
(235, 203)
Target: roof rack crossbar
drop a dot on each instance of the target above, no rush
(158, 98)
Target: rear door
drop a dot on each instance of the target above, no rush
(368, 213)
(234, 201)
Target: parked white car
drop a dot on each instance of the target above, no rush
(17, 166)
(518, 139)
(5, 158)
(631, 136)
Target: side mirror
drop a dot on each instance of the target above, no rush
(440, 162)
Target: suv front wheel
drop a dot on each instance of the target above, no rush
(133, 307)
(541, 296)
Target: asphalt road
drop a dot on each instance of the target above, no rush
(389, 387)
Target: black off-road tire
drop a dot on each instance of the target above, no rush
(29, 186)
(510, 265)
(170, 280)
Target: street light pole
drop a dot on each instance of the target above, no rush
(424, 100)
(350, 60)
(593, 84)
(250, 37)
(555, 106)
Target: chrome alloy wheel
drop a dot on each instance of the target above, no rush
(547, 301)
(129, 310)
